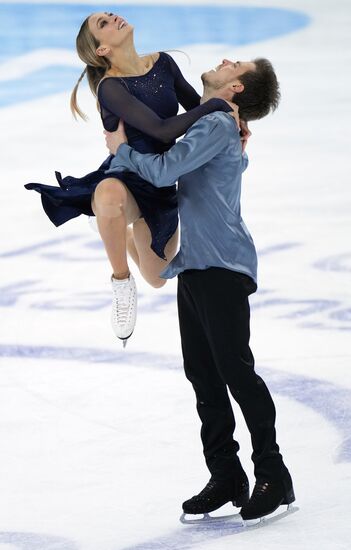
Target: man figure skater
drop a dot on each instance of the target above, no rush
(217, 271)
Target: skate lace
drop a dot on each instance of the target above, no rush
(209, 487)
(259, 491)
(122, 300)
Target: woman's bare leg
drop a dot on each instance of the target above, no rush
(150, 265)
(131, 248)
(115, 208)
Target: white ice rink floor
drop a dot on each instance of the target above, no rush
(100, 445)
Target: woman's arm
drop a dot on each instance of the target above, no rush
(186, 94)
(117, 100)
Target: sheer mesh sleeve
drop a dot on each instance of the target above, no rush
(117, 100)
(186, 94)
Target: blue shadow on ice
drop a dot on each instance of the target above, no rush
(35, 541)
(327, 399)
(26, 28)
(188, 537)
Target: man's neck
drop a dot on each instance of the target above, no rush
(209, 93)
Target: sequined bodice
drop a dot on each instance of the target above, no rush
(148, 104)
(156, 90)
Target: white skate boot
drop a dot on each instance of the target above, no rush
(124, 307)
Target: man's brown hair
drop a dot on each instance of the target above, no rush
(261, 92)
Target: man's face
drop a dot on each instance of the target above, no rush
(227, 74)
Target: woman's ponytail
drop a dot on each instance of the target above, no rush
(74, 103)
(96, 66)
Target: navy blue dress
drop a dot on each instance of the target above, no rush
(148, 104)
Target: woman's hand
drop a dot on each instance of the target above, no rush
(115, 139)
(245, 134)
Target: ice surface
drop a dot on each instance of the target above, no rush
(100, 445)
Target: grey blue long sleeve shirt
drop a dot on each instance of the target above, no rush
(208, 164)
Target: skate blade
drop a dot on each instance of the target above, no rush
(272, 518)
(125, 340)
(188, 519)
(235, 521)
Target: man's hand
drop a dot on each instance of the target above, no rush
(234, 112)
(245, 134)
(242, 125)
(115, 139)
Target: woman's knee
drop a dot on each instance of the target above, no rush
(110, 198)
(153, 280)
(158, 282)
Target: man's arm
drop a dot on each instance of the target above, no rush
(204, 140)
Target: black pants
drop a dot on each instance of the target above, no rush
(214, 318)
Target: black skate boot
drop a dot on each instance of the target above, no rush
(217, 493)
(267, 496)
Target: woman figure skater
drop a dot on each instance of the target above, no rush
(144, 92)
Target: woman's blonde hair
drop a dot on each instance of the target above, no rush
(96, 66)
